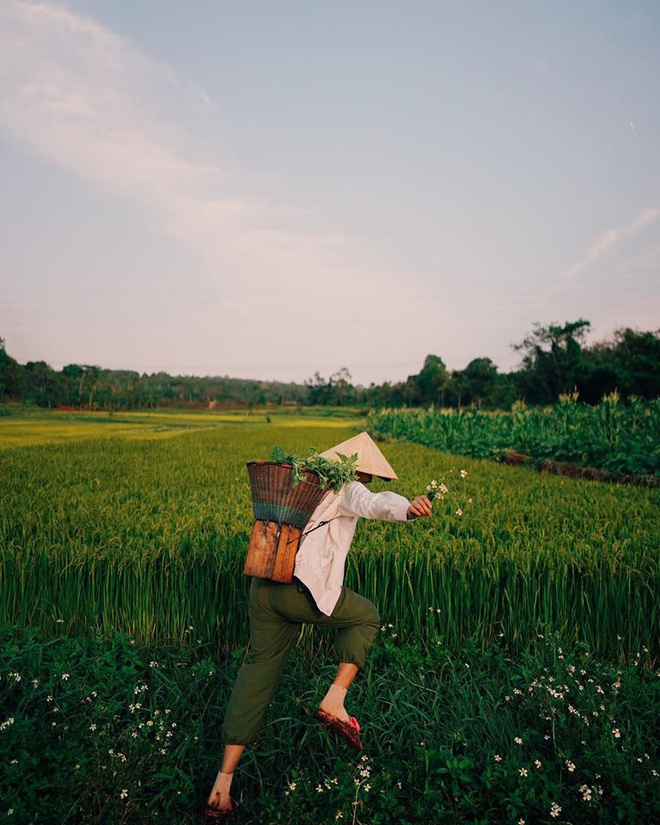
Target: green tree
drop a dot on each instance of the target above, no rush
(11, 375)
(41, 385)
(79, 384)
(552, 360)
(320, 390)
(480, 384)
(629, 363)
(342, 391)
(429, 385)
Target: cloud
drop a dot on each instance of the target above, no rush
(606, 242)
(571, 293)
(86, 99)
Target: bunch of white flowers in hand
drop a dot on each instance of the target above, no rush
(439, 490)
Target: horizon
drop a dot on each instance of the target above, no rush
(253, 190)
(211, 376)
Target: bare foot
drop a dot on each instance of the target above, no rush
(338, 712)
(219, 800)
(217, 809)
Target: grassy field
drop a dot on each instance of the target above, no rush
(531, 616)
(149, 534)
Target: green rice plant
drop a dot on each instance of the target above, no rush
(150, 537)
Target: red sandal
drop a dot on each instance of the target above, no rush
(214, 815)
(349, 732)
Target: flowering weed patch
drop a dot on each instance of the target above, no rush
(95, 731)
(103, 731)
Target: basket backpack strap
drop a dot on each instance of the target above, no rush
(320, 524)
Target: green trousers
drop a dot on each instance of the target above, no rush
(277, 613)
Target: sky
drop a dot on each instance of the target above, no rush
(276, 188)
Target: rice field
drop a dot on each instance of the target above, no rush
(146, 531)
(24, 427)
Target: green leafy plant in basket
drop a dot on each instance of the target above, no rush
(332, 474)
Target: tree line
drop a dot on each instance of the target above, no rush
(555, 360)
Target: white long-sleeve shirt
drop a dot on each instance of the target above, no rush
(321, 559)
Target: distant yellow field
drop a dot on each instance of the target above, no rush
(28, 428)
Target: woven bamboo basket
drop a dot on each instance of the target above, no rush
(281, 511)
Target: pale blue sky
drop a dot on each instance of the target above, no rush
(266, 189)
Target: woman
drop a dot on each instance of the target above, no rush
(316, 596)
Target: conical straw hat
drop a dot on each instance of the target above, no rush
(370, 459)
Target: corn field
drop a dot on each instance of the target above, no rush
(149, 536)
(619, 438)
